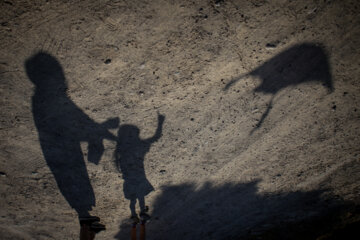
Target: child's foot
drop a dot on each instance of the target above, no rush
(143, 214)
(135, 218)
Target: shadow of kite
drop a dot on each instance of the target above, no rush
(299, 64)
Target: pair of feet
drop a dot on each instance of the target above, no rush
(144, 216)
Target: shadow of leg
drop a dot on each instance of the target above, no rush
(133, 231)
(142, 231)
(86, 233)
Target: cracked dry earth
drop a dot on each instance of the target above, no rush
(261, 106)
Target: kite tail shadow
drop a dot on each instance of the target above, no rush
(263, 116)
(233, 81)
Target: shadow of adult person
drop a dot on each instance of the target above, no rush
(301, 63)
(61, 127)
(129, 156)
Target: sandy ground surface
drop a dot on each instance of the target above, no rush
(261, 106)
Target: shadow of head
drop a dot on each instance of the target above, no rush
(45, 71)
(299, 64)
(128, 131)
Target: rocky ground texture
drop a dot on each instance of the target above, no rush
(261, 101)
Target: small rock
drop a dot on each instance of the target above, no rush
(107, 61)
(142, 66)
(87, 39)
(271, 45)
(162, 171)
(334, 107)
(218, 2)
(2, 174)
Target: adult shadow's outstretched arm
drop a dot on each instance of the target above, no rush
(157, 135)
(112, 123)
(96, 146)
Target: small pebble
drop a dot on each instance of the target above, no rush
(107, 61)
(218, 2)
(270, 45)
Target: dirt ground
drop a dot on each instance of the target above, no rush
(261, 117)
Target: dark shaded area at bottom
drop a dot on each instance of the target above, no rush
(239, 211)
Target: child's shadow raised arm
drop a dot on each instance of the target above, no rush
(157, 135)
